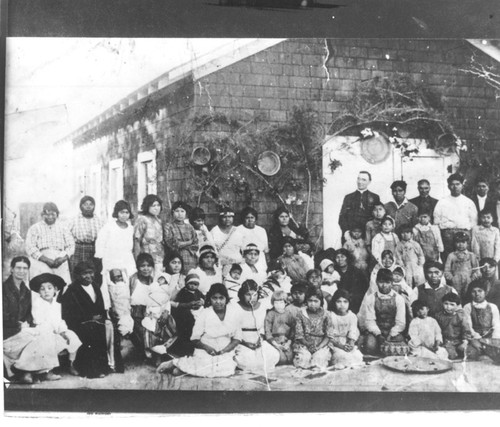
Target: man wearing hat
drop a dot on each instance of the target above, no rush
(50, 244)
(453, 213)
(84, 229)
(434, 289)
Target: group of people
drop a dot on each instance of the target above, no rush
(413, 277)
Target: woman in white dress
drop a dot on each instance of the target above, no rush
(249, 232)
(254, 354)
(115, 245)
(216, 334)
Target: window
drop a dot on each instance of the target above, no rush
(146, 174)
(115, 192)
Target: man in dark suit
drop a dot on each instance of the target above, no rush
(357, 207)
(484, 200)
(424, 202)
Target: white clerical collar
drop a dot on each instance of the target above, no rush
(362, 191)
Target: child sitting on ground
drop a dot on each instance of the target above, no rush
(293, 264)
(356, 245)
(382, 316)
(298, 298)
(46, 312)
(277, 273)
(409, 254)
(279, 327)
(345, 332)
(189, 305)
(485, 240)
(425, 334)
(428, 236)
(330, 278)
(483, 316)
(119, 293)
(233, 282)
(461, 265)
(313, 332)
(388, 263)
(385, 240)
(455, 328)
(304, 250)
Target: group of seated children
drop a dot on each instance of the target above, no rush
(310, 323)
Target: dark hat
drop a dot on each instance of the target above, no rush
(37, 281)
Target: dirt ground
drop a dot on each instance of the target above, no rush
(480, 376)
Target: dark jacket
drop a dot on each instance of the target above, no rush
(354, 281)
(16, 307)
(357, 209)
(489, 204)
(425, 204)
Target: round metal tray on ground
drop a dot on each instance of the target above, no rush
(416, 365)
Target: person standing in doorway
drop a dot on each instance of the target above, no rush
(358, 206)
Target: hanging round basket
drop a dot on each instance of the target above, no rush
(200, 156)
(376, 148)
(268, 163)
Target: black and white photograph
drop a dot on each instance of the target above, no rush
(291, 219)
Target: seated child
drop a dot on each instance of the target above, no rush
(276, 271)
(400, 286)
(46, 312)
(252, 269)
(461, 265)
(304, 250)
(428, 236)
(233, 282)
(345, 332)
(190, 303)
(409, 254)
(313, 332)
(434, 289)
(485, 241)
(119, 293)
(279, 327)
(455, 328)
(293, 264)
(298, 298)
(381, 316)
(330, 278)
(387, 262)
(425, 334)
(385, 240)
(355, 243)
(483, 316)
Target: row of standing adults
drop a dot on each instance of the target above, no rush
(452, 214)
